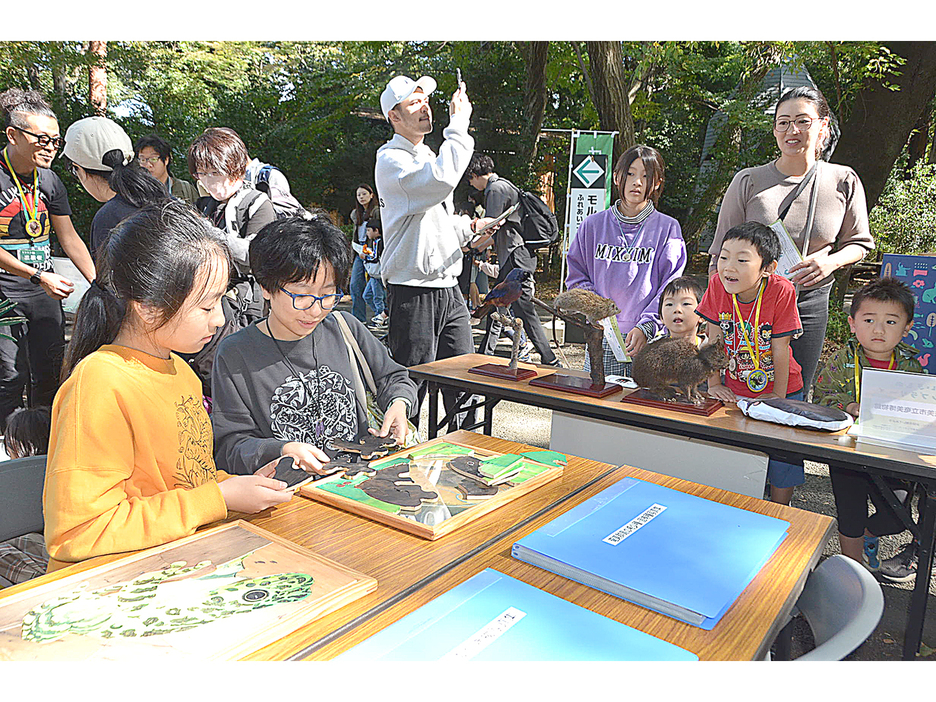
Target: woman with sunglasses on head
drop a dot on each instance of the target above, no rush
(101, 157)
(33, 205)
(821, 205)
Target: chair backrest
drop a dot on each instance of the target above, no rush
(843, 603)
(21, 483)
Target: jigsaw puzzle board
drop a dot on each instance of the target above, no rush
(438, 486)
(217, 595)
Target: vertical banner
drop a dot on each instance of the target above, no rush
(919, 272)
(590, 170)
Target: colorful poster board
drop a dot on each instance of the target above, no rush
(217, 595)
(919, 272)
(436, 487)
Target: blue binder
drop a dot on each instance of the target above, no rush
(493, 617)
(683, 556)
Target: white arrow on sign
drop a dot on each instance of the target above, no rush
(588, 171)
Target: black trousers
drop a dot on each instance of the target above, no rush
(852, 488)
(428, 324)
(34, 357)
(526, 311)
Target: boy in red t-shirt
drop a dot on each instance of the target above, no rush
(754, 311)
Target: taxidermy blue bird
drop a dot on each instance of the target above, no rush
(504, 293)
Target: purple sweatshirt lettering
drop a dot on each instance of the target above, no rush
(628, 263)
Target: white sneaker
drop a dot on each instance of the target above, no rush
(379, 319)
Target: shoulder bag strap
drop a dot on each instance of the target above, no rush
(355, 351)
(790, 199)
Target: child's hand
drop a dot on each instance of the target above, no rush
(723, 393)
(394, 422)
(308, 457)
(634, 341)
(252, 493)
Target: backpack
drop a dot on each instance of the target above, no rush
(284, 204)
(538, 225)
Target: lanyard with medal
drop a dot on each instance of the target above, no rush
(757, 378)
(33, 226)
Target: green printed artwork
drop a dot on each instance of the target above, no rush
(431, 484)
(163, 602)
(223, 593)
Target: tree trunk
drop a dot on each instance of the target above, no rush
(611, 92)
(97, 77)
(763, 57)
(889, 115)
(534, 94)
(33, 73)
(919, 139)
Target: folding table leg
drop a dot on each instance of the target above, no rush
(914, 631)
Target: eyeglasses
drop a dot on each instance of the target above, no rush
(802, 124)
(151, 161)
(328, 302)
(43, 140)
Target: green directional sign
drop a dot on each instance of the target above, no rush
(588, 170)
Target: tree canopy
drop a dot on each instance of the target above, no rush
(312, 108)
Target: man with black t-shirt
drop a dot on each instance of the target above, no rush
(33, 204)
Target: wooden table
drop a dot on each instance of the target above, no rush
(727, 426)
(411, 571)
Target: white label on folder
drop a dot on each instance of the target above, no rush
(485, 636)
(634, 524)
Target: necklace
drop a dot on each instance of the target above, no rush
(756, 379)
(320, 424)
(33, 226)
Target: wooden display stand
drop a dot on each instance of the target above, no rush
(570, 383)
(504, 372)
(644, 397)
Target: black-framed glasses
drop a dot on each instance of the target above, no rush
(802, 124)
(328, 302)
(43, 140)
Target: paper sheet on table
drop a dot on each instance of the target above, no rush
(612, 334)
(789, 254)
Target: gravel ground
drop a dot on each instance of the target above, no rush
(531, 425)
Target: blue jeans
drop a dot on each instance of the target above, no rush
(784, 475)
(358, 282)
(375, 296)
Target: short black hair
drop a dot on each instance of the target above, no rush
(479, 165)
(157, 144)
(885, 290)
(684, 282)
(292, 249)
(27, 432)
(374, 223)
(764, 239)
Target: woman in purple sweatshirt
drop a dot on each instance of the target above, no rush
(629, 252)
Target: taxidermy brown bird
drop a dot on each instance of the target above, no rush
(668, 362)
(592, 305)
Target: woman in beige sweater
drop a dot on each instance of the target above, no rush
(827, 218)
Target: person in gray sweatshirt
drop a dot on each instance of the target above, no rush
(422, 234)
(284, 385)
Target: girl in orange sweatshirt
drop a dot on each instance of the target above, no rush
(130, 457)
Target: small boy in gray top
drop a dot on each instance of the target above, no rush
(284, 385)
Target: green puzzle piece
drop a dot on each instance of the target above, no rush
(498, 467)
(550, 458)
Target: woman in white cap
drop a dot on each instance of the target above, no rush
(35, 204)
(101, 156)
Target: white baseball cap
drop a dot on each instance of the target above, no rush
(400, 88)
(88, 139)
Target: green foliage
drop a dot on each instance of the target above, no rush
(904, 219)
(838, 330)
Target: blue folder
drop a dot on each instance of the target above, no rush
(493, 617)
(689, 561)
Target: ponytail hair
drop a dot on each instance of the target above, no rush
(16, 104)
(152, 257)
(132, 182)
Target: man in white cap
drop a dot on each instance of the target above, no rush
(422, 234)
